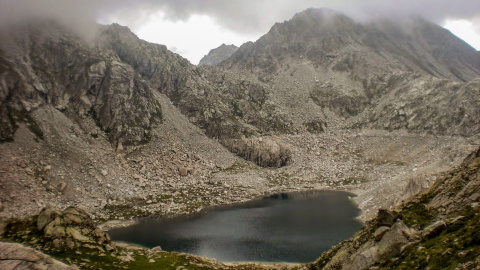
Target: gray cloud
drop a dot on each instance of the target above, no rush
(240, 16)
(254, 16)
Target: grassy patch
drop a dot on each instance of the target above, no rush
(417, 215)
(235, 167)
(457, 246)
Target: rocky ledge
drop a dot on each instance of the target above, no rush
(18, 256)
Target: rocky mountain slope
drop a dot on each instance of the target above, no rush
(217, 55)
(438, 228)
(49, 65)
(325, 70)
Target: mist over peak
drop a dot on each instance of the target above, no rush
(232, 22)
(240, 16)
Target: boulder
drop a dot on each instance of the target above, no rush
(434, 229)
(380, 232)
(120, 148)
(46, 216)
(61, 187)
(385, 217)
(182, 171)
(363, 260)
(76, 235)
(76, 215)
(391, 243)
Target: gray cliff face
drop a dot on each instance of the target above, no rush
(114, 80)
(217, 55)
(53, 67)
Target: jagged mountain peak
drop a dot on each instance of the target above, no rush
(324, 36)
(321, 16)
(219, 54)
(322, 65)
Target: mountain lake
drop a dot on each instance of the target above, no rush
(289, 227)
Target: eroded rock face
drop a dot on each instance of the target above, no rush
(264, 151)
(63, 71)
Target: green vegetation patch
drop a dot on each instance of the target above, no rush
(457, 247)
(417, 215)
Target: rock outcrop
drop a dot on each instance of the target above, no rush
(18, 256)
(264, 151)
(71, 228)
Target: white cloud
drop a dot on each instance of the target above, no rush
(192, 38)
(465, 30)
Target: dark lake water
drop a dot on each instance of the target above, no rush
(294, 227)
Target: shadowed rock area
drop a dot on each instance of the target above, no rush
(266, 152)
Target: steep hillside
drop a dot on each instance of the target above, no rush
(80, 125)
(49, 65)
(437, 229)
(112, 80)
(217, 55)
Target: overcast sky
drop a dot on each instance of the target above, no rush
(193, 27)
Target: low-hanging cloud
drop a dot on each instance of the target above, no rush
(242, 16)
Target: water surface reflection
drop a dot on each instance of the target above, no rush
(295, 227)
